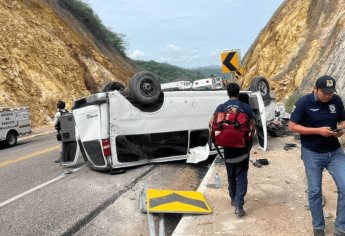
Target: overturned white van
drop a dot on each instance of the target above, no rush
(114, 130)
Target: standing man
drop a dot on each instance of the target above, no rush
(61, 110)
(237, 159)
(316, 117)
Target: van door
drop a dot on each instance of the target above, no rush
(69, 137)
(93, 130)
(257, 104)
(24, 122)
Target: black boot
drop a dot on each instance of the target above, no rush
(319, 232)
(239, 211)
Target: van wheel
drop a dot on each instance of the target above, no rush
(260, 84)
(11, 139)
(144, 88)
(112, 86)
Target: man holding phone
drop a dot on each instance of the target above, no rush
(319, 118)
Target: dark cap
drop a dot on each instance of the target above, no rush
(326, 84)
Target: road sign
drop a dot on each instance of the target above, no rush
(230, 61)
(171, 201)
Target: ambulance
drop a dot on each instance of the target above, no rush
(13, 123)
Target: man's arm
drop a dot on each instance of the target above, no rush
(56, 118)
(297, 128)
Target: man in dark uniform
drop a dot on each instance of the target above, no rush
(316, 117)
(237, 159)
(61, 110)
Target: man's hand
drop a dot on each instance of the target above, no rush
(326, 132)
(339, 133)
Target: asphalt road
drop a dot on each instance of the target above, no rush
(40, 197)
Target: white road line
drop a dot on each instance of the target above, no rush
(4, 203)
(34, 135)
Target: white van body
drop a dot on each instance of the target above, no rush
(208, 84)
(114, 133)
(13, 123)
(178, 85)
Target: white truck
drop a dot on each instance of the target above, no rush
(176, 86)
(208, 84)
(115, 129)
(13, 123)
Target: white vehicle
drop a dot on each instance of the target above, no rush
(114, 130)
(14, 122)
(208, 84)
(175, 86)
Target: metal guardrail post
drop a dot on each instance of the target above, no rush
(161, 225)
(151, 224)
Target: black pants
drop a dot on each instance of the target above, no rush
(237, 174)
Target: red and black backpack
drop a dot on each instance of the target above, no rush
(231, 128)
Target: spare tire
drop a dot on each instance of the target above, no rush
(260, 84)
(144, 88)
(112, 86)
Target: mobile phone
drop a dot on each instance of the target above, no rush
(337, 130)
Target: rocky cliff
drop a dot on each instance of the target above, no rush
(44, 58)
(302, 41)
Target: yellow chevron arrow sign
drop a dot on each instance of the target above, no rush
(171, 201)
(230, 61)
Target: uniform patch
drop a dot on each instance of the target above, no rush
(332, 108)
(293, 109)
(329, 83)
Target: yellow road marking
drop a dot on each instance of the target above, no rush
(9, 162)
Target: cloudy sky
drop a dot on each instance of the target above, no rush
(186, 33)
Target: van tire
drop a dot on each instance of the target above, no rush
(112, 86)
(144, 88)
(11, 139)
(260, 84)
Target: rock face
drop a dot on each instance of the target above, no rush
(302, 41)
(44, 59)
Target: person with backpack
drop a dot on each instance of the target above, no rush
(319, 118)
(232, 127)
(61, 110)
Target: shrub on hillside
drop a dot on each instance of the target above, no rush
(290, 102)
(167, 73)
(83, 12)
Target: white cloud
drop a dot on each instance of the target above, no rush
(172, 47)
(136, 55)
(216, 52)
(176, 55)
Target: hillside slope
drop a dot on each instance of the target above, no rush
(302, 41)
(43, 59)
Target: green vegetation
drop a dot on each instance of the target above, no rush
(167, 73)
(83, 12)
(216, 71)
(290, 102)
